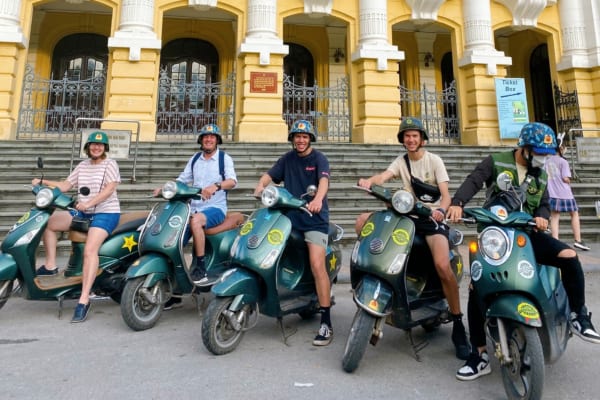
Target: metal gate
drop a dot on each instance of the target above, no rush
(50, 107)
(567, 111)
(183, 108)
(437, 110)
(328, 108)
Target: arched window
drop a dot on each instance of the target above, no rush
(80, 56)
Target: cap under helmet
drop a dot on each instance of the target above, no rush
(210, 129)
(540, 137)
(414, 124)
(302, 126)
(97, 137)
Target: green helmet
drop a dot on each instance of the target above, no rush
(210, 129)
(411, 123)
(540, 137)
(97, 137)
(302, 126)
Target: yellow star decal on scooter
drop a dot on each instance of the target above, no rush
(129, 243)
(332, 263)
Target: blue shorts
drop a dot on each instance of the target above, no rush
(106, 221)
(214, 216)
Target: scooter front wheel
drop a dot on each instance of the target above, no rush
(222, 329)
(360, 334)
(142, 307)
(6, 287)
(523, 377)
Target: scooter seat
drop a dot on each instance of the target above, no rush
(232, 221)
(127, 221)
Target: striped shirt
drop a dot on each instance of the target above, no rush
(92, 176)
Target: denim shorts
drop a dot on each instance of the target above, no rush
(214, 216)
(106, 221)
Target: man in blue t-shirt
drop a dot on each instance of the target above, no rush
(299, 168)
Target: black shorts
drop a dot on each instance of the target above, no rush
(428, 227)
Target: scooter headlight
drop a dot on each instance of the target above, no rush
(43, 198)
(494, 244)
(269, 196)
(403, 201)
(169, 190)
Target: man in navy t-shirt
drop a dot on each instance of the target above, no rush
(298, 169)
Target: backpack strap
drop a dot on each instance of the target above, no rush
(221, 163)
(407, 164)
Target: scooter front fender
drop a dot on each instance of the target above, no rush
(8, 267)
(238, 282)
(374, 296)
(149, 264)
(517, 308)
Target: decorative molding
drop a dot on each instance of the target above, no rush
(425, 10)
(318, 8)
(261, 36)
(526, 12)
(76, 1)
(202, 5)
(10, 24)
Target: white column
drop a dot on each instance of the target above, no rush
(573, 28)
(261, 35)
(10, 25)
(373, 34)
(136, 28)
(479, 42)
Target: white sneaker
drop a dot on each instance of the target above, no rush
(581, 245)
(476, 366)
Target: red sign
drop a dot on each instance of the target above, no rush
(263, 82)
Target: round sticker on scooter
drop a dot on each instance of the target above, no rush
(367, 229)
(246, 228)
(175, 221)
(275, 237)
(476, 270)
(400, 237)
(528, 311)
(525, 269)
(499, 212)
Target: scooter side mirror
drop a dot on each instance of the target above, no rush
(504, 181)
(40, 163)
(84, 190)
(311, 190)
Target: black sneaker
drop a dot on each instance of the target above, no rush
(477, 365)
(580, 244)
(173, 302)
(324, 337)
(459, 338)
(581, 325)
(198, 276)
(81, 312)
(43, 271)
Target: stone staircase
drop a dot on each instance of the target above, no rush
(161, 161)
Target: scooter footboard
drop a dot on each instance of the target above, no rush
(8, 267)
(238, 282)
(516, 307)
(374, 296)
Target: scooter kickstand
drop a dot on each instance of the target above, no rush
(60, 306)
(417, 347)
(285, 337)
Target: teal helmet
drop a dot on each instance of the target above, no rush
(302, 126)
(411, 123)
(540, 137)
(97, 137)
(210, 129)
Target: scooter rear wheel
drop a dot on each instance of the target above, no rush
(360, 334)
(523, 378)
(6, 287)
(137, 311)
(219, 335)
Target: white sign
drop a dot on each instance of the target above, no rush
(588, 149)
(118, 142)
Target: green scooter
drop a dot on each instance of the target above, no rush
(162, 269)
(19, 248)
(393, 276)
(526, 305)
(271, 273)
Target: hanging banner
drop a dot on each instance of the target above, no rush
(511, 102)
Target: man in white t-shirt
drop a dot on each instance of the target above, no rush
(428, 180)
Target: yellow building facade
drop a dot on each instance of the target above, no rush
(354, 67)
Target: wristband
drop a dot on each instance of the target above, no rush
(440, 209)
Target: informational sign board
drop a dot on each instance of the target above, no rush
(511, 101)
(119, 142)
(588, 149)
(263, 82)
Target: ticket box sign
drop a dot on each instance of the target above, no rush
(119, 142)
